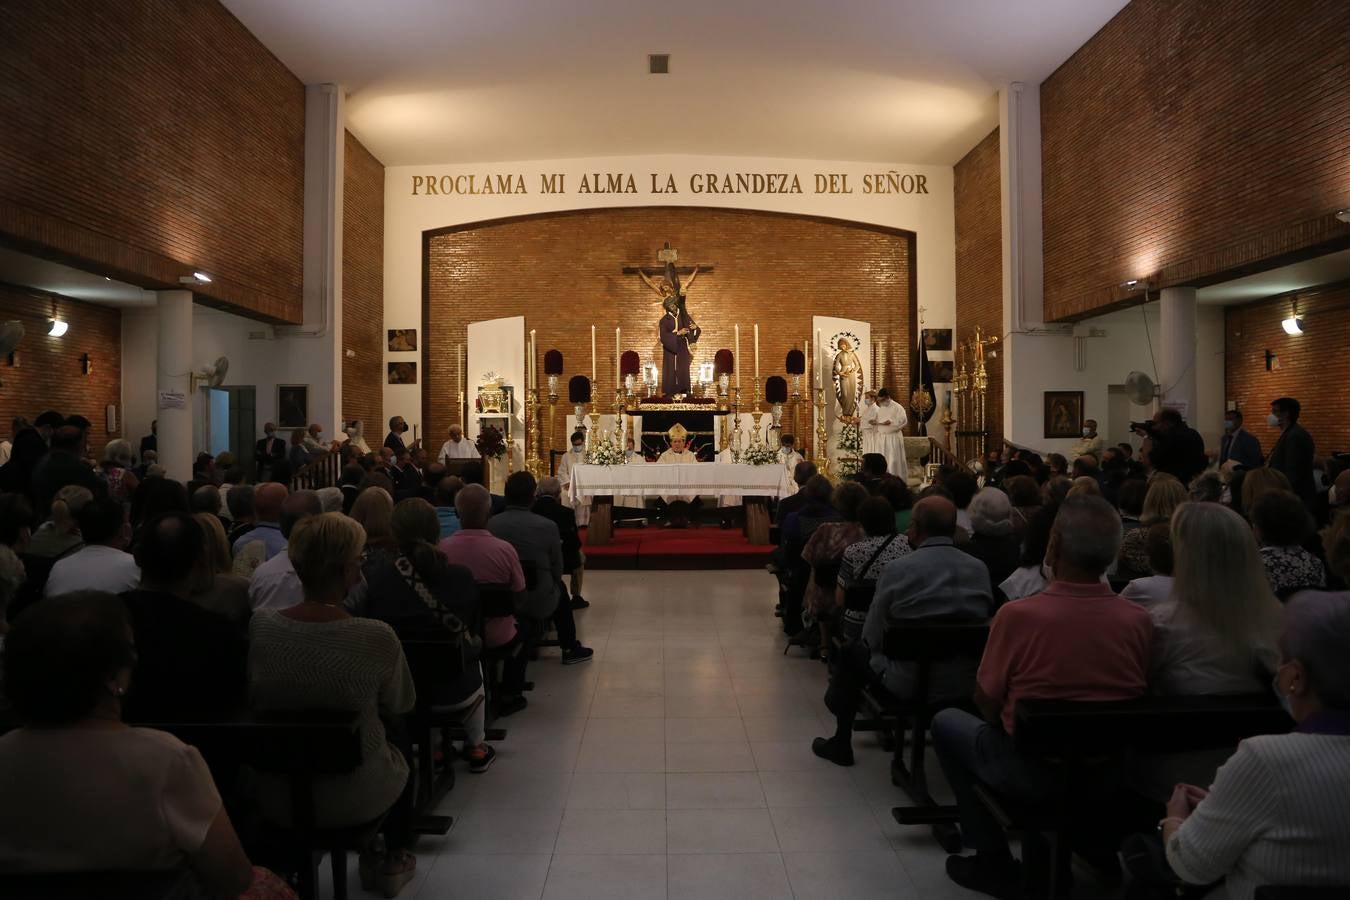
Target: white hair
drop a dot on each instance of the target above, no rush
(118, 451)
(991, 512)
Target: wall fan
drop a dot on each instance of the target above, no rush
(1141, 389)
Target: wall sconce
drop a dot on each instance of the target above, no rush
(86, 364)
(57, 327)
(1293, 324)
(195, 278)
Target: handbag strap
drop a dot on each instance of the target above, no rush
(414, 581)
(862, 573)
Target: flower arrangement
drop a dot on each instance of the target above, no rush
(605, 451)
(850, 449)
(491, 443)
(759, 455)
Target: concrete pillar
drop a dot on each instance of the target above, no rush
(174, 367)
(1176, 366)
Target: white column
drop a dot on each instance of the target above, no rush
(1176, 368)
(174, 366)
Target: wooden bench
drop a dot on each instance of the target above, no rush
(1087, 744)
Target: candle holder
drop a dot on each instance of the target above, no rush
(595, 422)
(822, 435)
(948, 420)
(735, 395)
(758, 415)
(533, 463)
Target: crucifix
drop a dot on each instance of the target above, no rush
(677, 329)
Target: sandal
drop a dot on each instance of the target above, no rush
(399, 868)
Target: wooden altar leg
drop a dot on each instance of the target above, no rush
(757, 520)
(600, 530)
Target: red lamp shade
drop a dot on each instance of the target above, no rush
(724, 362)
(630, 363)
(796, 362)
(775, 389)
(553, 362)
(578, 389)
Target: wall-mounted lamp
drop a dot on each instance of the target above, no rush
(1293, 324)
(1343, 215)
(195, 278)
(57, 327)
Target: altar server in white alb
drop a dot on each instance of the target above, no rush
(869, 435)
(571, 459)
(458, 447)
(885, 420)
(788, 457)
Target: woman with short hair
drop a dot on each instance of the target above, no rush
(117, 464)
(993, 537)
(215, 587)
(1165, 494)
(374, 512)
(824, 551)
(85, 792)
(1281, 524)
(1278, 812)
(863, 560)
(316, 655)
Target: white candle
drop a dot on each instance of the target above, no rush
(756, 353)
(737, 360)
(618, 378)
(815, 363)
(530, 371)
(593, 369)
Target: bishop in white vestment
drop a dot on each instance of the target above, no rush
(886, 419)
(678, 453)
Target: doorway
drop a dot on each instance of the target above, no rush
(229, 422)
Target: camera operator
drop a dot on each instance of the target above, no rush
(1173, 446)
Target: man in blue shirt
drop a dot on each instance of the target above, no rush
(268, 499)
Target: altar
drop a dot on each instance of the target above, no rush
(653, 419)
(600, 484)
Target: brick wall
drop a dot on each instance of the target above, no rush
(1187, 140)
(362, 285)
(49, 374)
(979, 261)
(1313, 367)
(147, 138)
(562, 272)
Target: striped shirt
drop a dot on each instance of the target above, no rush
(1278, 813)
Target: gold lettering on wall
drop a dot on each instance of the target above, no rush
(890, 181)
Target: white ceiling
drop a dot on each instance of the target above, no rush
(54, 278)
(1330, 268)
(912, 81)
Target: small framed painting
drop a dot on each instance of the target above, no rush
(942, 370)
(1063, 414)
(292, 405)
(402, 339)
(403, 373)
(937, 338)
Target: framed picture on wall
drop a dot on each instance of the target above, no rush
(403, 373)
(942, 370)
(937, 338)
(1063, 414)
(292, 405)
(402, 339)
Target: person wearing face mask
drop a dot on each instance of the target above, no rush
(1278, 811)
(356, 436)
(268, 452)
(394, 440)
(575, 456)
(1293, 450)
(1239, 446)
(314, 443)
(1090, 444)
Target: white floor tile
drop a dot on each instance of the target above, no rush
(703, 730)
(727, 876)
(484, 877)
(866, 875)
(728, 756)
(601, 877)
(609, 791)
(720, 831)
(716, 790)
(612, 831)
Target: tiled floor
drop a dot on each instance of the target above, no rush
(677, 764)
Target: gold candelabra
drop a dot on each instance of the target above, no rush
(822, 435)
(735, 395)
(758, 415)
(552, 412)
(534, 462)
(797, 408)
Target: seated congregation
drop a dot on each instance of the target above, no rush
(222, 678)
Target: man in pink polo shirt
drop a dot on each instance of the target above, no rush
(493, 562)
(1076, 640)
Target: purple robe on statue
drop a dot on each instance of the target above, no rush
(675, 356)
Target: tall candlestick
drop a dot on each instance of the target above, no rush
(529, 369)
(737, 360)
(618, 378)
(756, 354)
(593, 369)
(815, 363)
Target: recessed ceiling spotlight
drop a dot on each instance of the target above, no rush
(1343, 215)
(1133, 282)
(107, 278)
(57, 327)
(202, 277)
(658, 63)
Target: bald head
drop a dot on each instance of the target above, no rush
(474, 505)
(933, 517)
(267, 501)
(300, 505)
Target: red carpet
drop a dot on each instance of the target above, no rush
(677, 548)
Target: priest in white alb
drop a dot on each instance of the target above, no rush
(458, 447)
(788, 458)
(886, 419)
(574, 457)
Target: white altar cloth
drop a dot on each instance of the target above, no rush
(655, 480)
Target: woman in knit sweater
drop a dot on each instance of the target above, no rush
(1278, 812)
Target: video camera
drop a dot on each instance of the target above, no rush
(1145, 427)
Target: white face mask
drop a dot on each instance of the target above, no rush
(270, 433)
(577, 448)
(1273, 420)
(1087, 432)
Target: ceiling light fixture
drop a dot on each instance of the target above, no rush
(195, 278)
(57, 327)
(1343, 215)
